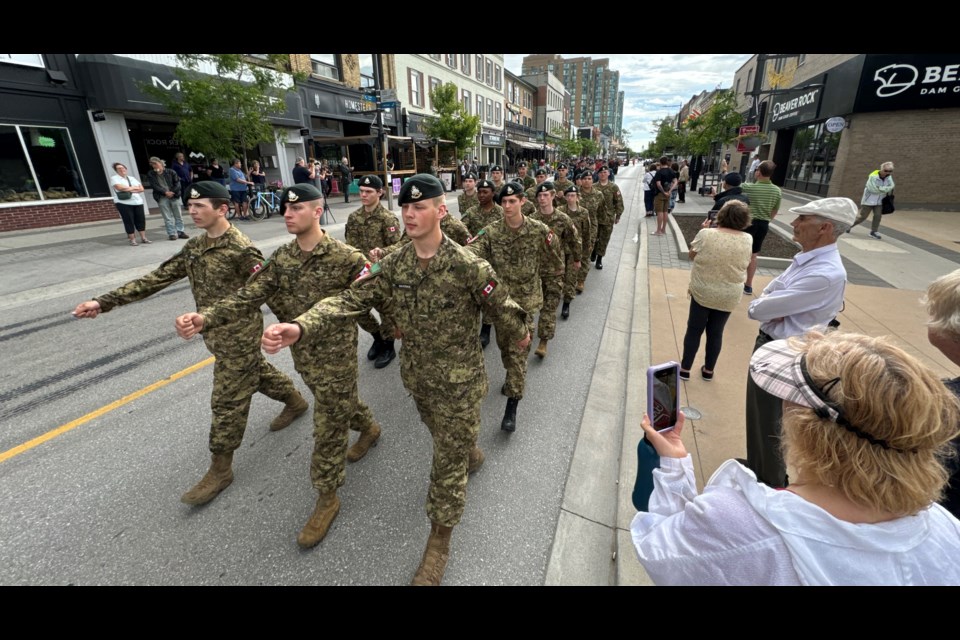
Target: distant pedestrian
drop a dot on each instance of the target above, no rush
(764, 205)
(185, 173)
(682, 182)
(648, 192)
(751, 173)
(130, 206)
(879, 185)
(304, 173)
(238, 189)
(663, 182)
(166, 192)
(346, 178)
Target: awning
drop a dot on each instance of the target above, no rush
(526, 145)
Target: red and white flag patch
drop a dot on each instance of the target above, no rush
(392, 229)
(487, 290)
(363, 272)
(256, 268)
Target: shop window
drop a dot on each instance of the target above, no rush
(325, 65)
(38, 163)
(366, 70)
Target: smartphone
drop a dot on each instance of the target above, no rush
(663, 395)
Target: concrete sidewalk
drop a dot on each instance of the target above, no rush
(886, 279)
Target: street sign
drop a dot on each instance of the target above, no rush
(388, 95)
(369, 97)
(746, 130)
(390, 105)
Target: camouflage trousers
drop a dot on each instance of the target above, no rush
(570, 278)
(514, 359)
(369, 323)
(337, 409)
(235, 380)
(454, 424)
(552, 292)
(604, 231)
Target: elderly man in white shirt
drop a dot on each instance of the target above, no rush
(808, 294)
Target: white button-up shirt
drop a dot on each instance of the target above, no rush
(808, 294)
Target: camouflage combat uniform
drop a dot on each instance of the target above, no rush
(216, 267)
(529, 182)
(437, 310)
(529, 206)
(570, 245)
(581, 220)
(476, 218)
(450, 226)
(613, 210)
(465, 203)
(366, 231)
(561, 185)
(596, 205)
(520, 258)
(291, 282)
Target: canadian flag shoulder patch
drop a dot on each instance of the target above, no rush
(487, 290)
(257, 268)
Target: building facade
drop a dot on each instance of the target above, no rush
(524, 140)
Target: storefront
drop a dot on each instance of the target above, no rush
(49, 170)
(523, 143)
(131, 126)
(491, 147)
(811, 149)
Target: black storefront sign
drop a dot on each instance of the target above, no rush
(909, 81)
(795, 107)
(113, 83)
(336, 105)
(492, 140)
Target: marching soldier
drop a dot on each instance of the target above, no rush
(496, 176)
(610, 215)
(217, 263)
(592, 200)
(435, 290)
(522, 176)
(561, 184)
(568, 236)
(368, 227)
(311, 267)
(521, 251)
(468, 199)
(449, 226)
(575, 278)
(485, 212)
(530, 194)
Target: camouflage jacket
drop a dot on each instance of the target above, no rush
(560, 186)
(614, 201)
(363, 230)
(216, 267)
(581, 220)
(437, 312)
(565, 231)
(520, 258)
(529, 181)
(595, 203)
(476, 218)
(465, 202)
(450, 226)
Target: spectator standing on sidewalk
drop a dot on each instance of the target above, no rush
(238, 189)
(808, 294)
(682, 182)
(166, 191)
(662, 183)
(131, 208)
(185, 173)
(764, 199)
(649, 171)
(731, 191)
(302, 173)
(751, 173)
(879, 185)
(346, 178)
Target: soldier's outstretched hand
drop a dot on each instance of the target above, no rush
(279, 336)
(189, 325)
(376, 253)
(523, 344)
(89, 309)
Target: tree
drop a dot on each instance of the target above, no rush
(228, 112)
(590, 148)
(569, 147)
(718, 125)
(668, 139)
(452, 121)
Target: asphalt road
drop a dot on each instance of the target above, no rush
(98, 503)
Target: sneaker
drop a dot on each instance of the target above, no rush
(747, 290)
(182, 235)
(875, 235)
(684, 375)
(173, 237)
(706, 376)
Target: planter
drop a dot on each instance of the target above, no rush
(751, 142)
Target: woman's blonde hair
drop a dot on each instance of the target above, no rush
(943, 304)
(888, 395)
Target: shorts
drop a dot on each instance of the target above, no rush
(238, 196)
(758, 231)
(661, 202)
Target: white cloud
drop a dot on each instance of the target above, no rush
(656, 85)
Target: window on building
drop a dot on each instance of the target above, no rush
(736, 91)
(801, 59)
(28, 59)
(778, 64)
(452, 60)
(479, 106)
(479, 62)
(465, 63)
(434, 84)
(489, 111)
(415, 83)
(39, 163)
(325, 65)
(497, 75)
(366, 70)
(435, 56)
(488, 65)
(812, 158)
(496, 112)
(465, 97)
(749, 86)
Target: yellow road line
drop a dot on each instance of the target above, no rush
(30, 444)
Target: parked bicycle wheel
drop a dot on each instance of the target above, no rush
(258, 210)
(231, 210)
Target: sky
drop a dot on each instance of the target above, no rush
(657, 85)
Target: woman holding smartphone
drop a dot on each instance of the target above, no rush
(866, 433)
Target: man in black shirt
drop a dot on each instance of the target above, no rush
(664, 180)
(302, 174)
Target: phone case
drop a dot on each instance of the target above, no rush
(658, 400)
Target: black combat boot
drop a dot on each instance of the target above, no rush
(593, 256)
(509, 422)
(599, 262)
(565, 312)
(386, 354)
(374, 348)
(484, 335)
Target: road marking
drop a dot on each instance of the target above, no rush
(873, 245)
(30, 444)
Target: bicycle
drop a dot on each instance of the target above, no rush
(263, 204)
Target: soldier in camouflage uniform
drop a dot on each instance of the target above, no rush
(521, 251)
(568, 236)
(487, 211)
(449, 226)
(496, 176)
(530, 194)
(468, 199)
(561, 184)
(311, 267)
(592, 200)
(435, 290)
(368, 227)
(611, 215)
(217, 263)
(522, 176)
(576, 278)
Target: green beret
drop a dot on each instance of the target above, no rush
(561, 166)
(419, 187)
(371, 182)
(485, 184)
(544, 186)
(496, 167)
(470, 176)
(208, 189)
(512, 189)
(571, 189)
(541, 172)
(521, 164)
(300, 192)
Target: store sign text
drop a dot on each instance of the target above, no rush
(897, 78)
(789, 108)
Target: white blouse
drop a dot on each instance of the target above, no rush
(137, 197)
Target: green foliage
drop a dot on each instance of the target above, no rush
(669, 140)
(452, 121)
(590, 148)
(225, 114)
(567, 147)
(718, 125)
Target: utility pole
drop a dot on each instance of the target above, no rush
(381, 136)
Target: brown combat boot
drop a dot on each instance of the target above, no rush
(435, 556)
(580, 286)
(367, 439)
(476, 459)
(217, 478)
(542, 348)
(328, 506)
(294, 409)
